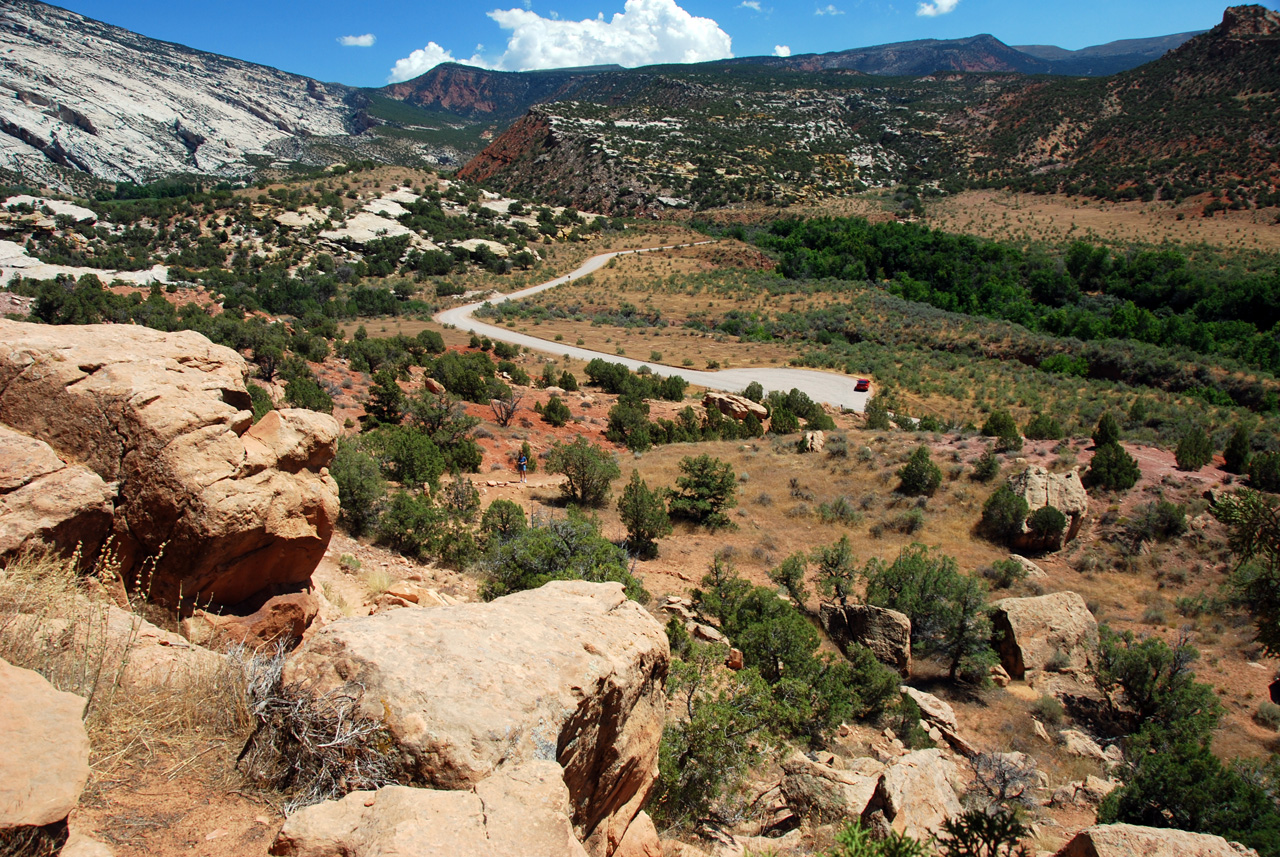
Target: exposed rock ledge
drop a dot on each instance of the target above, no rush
(226, 508)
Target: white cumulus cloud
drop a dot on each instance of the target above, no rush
(365, 41)
(936, 8)
(419, 62)
(781, 50)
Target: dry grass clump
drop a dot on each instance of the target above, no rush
(62, 625)
(313, 747)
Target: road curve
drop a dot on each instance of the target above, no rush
(829, 387)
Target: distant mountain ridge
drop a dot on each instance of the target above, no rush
(475, 93)
(1203, 117)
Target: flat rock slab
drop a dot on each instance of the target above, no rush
(1131, 840)
(44, 749)
(523, 811)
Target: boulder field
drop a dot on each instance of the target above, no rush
(146, 438)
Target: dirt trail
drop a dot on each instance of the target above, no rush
(825, 387)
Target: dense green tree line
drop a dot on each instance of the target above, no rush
(1203, 302)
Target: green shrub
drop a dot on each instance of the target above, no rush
(503, 519)
(1268, 715)
(412, 525)
(948, 610)
(1047, 524)
(406, 454)
(556, 412)
(877, 413)
(987, 467)
(1044, 427)
(1003, 515)
(360, 487)
(569, 548)
(920, 476)
(644, 513)
(858, 841)
(999, 424)
(782, 421)
(1004, 573)
(706, 488)
(587, 468)
(1264, 471)
(1107, 431)
(1112, 468)
(1238, 451)
(1159, 520)
(260, 401)
(1195, 450)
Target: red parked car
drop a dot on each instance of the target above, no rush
(862, 386)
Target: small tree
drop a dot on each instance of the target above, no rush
(999, 424)
(706, 489)
(644, 514)
(569, 548)
(920, 476)
(790, 576)
(1044, 427)
(556, 412)
(837, 569)
(587, 468)
(1238, 451)
(1047, 524)
(360, 487)
(386, 403)
(1195, 450)
(877, 413)
(1003, 514)
(1107, 431)
(987, 467)
(1112, 468)
(1253, 524)
(503, 519)
(1264, 471)
(505, 408)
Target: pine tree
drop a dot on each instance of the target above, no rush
(1239, 450)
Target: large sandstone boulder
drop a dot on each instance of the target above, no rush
(1040, 488)
(824, 794)
(44, 500)
(1054, 631)
(918, 793)
(572, 672)
(224, 507)
(734, 407)
(522, 810)
(1131, 840)
(887, 633)
(44, 750)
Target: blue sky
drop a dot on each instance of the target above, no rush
(395, 39)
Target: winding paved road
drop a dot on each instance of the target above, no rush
(826, 387)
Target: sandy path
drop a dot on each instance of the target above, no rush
(820, 386)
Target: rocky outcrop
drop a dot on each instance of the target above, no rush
(44, 750)
(1131, 840)
(812, 441)
(1040, 488)
(1048, 632)
(123, 107)
(223, 508)
(572, 672)
(44, 500)
(282, 620)
(522, 810)
(887, 633)
(823, 794)
(734, 407)
(918, 794)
